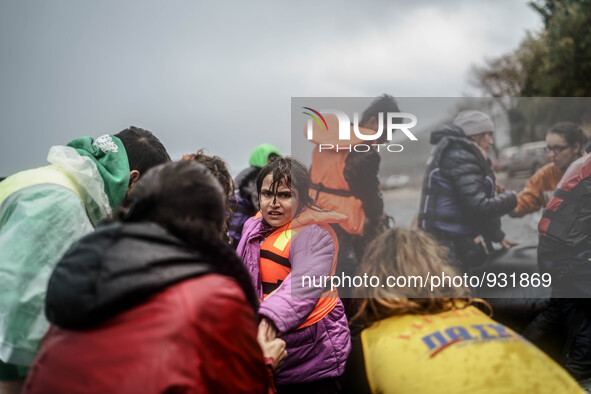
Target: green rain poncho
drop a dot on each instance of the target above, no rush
(42, 212)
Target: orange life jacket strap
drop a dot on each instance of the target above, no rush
(274, 257)
(323, 189)
(269, 287)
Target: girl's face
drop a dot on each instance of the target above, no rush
(276, 207)
(560, 152)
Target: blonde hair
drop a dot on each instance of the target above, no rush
(406, 253)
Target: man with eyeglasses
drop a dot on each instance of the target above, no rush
(563, 145)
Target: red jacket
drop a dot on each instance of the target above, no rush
(197, 336)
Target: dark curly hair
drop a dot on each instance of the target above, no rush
(219, 169)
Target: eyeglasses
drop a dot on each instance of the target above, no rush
(556, 149)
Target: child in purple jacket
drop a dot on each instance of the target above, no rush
(291, 252)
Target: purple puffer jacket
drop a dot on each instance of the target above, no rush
(315, 352)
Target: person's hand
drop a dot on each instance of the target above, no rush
(500, 188)
(514, 213)
(273, 348)
(505, 243)
(479, 240)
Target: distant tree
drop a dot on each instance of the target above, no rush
(500, 77)
(565, 68)
(505, 78)
(555, 62)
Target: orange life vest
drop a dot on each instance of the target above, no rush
(331, 191)
(275, 266)
(329, 188)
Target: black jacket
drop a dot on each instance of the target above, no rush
(458, 197)
(361, 173)
(246, 183)
(565, 227)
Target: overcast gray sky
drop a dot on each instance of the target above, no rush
(221, 75)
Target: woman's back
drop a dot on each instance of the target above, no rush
(420, 340)
(462, 350)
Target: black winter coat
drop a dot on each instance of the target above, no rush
(464, 181)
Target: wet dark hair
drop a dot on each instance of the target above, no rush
(385, 103)
(187, 200)
(294, 175)
(143, 149)
(571, 132)
(219, 169)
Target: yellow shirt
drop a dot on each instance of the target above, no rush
(460, 351)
